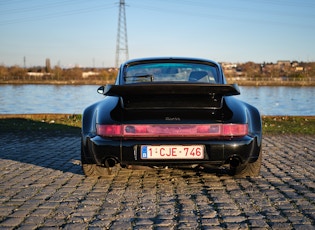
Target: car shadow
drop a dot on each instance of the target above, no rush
(222, 171)
(57, 146)
(42, 144)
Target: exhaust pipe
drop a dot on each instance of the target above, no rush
(110, 162)
(234, 162)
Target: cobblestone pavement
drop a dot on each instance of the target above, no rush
(42, 187)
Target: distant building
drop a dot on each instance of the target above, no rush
(36, 74)
(299, 68)
(89, 73)
(227, 65)
(284, 64)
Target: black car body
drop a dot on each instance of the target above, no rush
(171, 112)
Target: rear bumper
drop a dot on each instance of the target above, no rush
(217, 152)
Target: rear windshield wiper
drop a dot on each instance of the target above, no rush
(150, 76)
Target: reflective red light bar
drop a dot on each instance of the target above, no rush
(191, 131)
(109, 130)
(234, 129)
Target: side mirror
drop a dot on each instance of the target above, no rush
(101, 90)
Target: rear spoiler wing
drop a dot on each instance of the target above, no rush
(169, 89)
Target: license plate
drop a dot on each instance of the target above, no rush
(172, 152)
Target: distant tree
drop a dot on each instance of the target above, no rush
(3, 71)
(310, 69)
(296, 75)
(36, 69)
(250, 67)
(17, 72)
(108, 75)
(73, 73)
(58, 73)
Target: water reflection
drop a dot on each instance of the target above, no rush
(24, 99)
(46, 98)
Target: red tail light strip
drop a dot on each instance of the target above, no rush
(192, 131)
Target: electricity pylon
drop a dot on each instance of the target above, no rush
(122, 41)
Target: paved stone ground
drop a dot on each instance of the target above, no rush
(42, 187)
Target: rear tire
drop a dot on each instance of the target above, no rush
(93, 170)
(89, 168)
(250, 169)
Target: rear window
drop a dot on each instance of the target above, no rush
(171, 72)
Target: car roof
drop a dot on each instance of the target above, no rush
(170, 59)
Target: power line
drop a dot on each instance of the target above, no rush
(251, 12)
(19, 11)
(14, 14)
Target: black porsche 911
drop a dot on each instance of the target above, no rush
(174, 112)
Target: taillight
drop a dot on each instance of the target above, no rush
(109, 130)
(231, 130)
(187, 131)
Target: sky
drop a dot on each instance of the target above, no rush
(84, 33)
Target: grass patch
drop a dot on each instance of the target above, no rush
(43, 123)
(288, 125)
(65, 123)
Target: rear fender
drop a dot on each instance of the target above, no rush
(102, 112)
(254, 123)
(245, 113)
(88, 123)
(109, 111)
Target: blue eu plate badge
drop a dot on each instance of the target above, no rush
(144, 152)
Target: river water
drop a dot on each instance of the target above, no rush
(29, 99)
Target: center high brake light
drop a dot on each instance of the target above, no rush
(178, 131)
